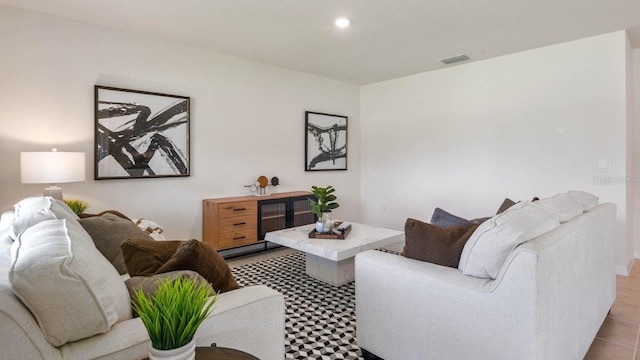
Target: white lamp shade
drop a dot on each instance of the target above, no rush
(51, 167)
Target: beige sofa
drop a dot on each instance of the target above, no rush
(547, 302)
(249, 319)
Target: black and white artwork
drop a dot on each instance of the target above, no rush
(140, 134)
(325, 142)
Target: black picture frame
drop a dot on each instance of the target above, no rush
(325, 142)
(140, 134)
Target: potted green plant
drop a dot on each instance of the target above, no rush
(173, 315)
(322, 205)
(77, 206)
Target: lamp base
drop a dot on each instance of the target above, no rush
(53, 191)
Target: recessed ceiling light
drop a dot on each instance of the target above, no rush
(342, 22)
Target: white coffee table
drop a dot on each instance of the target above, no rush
(332, 261)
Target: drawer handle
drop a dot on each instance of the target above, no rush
(239, 238)
(240, 223)
(239, 209)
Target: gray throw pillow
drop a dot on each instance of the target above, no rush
(108, 232)
(447, 220)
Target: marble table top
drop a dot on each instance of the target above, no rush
(361, 238)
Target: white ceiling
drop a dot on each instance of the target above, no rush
(387, 38)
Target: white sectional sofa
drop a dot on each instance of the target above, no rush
(250, 319)
(547, 302)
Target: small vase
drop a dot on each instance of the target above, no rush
(187, 352)
(319, 226)
(326, 221)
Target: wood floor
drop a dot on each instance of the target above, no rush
(618, 337)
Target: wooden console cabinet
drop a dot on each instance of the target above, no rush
(234, 222)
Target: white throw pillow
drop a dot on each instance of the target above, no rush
(152, 228)
(33, 210)
(71, 289)
(487, 249)
(564, 206)
(588, 201)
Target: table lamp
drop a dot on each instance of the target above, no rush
(52, 167)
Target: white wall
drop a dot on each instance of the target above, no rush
(630, 189)
(247, 119)
(636, 143)
(466, 137)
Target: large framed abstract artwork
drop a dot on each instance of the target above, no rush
(325, 142)
(140, 134)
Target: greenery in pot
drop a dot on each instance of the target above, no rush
(324, 201)
(175, 312)
(78, 206)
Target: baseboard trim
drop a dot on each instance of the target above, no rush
(620, 270)
(625, 271)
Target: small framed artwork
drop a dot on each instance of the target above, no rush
(140, 134)
(325, 142)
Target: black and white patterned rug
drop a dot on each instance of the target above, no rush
(320, 318)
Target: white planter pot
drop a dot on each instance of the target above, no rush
(187, 352)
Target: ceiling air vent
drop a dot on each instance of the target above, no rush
(455, 59)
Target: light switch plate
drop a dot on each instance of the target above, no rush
(603, 164)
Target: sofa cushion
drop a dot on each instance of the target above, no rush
(435, 244)
(488, 247)
(202, 258)
(70, 288)
(588, 201)
(144, 257)
(33, 210)
(149, 284)
(564, 206)
(108, 231)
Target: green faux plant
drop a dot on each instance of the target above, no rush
(78, 206)
(324, 201)
(175, 312)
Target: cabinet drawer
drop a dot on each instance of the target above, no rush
(237, 223)
(226, 210)
(237, 238)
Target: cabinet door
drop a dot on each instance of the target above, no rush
(272, 216)
(301, 209)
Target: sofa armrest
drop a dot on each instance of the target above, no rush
(427, 272)
(407, 308)
(250, 319)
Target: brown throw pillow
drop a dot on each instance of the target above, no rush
(108, 232)
(149, 284)
(144, 257)
(203, 259)
(434, 244)
(506, 204)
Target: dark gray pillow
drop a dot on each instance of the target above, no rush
(446, 220)
(108, 232)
